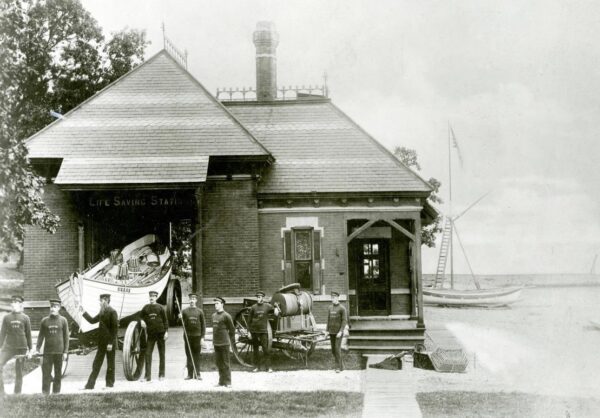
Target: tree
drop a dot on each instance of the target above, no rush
(410, 159)
(53, 56)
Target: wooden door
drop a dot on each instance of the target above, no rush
(373, 279)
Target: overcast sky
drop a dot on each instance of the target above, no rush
(518, 82)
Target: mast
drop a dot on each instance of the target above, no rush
(450, 210)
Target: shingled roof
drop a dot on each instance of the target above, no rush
(317, 148)
(157, 112)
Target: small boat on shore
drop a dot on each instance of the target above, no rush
(127, 275)
(440, 295)
(501, 296)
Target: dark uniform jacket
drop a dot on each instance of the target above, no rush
(55, 331)
(223, 329)
(155, 317)
(193, 321)
(15, 332)
(259, 317)
(336, 318)
(109, 325)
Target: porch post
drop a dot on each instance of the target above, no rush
(81, 246)
(197, 246)
(417, 259)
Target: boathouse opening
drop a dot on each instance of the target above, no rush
(113, 219)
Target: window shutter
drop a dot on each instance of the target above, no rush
(317, 262)
(287, 258)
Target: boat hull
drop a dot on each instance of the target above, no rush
(85, 289)
(481, 297)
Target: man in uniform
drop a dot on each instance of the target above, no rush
(336, 323)
(54, 331)
(193, 337)
(107, 341)
(15, 339)
(223, 336)
(154, 320)
(259, 323)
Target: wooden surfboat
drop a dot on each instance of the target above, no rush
(500, 296)
(127, 275)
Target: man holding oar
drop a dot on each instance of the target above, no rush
(194, 328)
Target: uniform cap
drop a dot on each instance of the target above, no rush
(55, 302)
(260, 293)
(335, 294)
(17, 298)
(105, 296)
(219, 299)
(192, 294)
(153, 293)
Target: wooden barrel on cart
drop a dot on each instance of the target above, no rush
(291, 304)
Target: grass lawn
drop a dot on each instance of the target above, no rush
(186, 404)
(501, 404)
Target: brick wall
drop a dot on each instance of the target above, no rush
(230, 239)
(51, 257)
(333, 250)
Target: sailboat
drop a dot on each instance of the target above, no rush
(440, 295)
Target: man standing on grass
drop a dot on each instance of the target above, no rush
(223, 337)
(194, 329)
(54, 334)
(258, 320)
(336, 323)
(15, 340)
(154, 320)
(107, 341)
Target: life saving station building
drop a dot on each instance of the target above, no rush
(280, 186)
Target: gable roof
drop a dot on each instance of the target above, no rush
(319, 149)
(156, 110)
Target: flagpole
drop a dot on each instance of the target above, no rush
(450, 209)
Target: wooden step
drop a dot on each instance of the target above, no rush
(380, 350)
(387, 332)
(383, 337)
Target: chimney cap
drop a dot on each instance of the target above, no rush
(265, 33)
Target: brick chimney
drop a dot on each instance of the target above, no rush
(266, 40)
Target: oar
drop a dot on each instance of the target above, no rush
(186, 338)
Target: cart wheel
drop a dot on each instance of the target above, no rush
(65, 363)
(242, 349)
(133, 355)
(173, 290)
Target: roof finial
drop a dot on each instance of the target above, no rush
(325, 88)
(163, 31)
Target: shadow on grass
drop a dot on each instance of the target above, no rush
(186, 404)
(319, 360)
(501, 404)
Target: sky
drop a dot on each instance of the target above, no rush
(517, 81)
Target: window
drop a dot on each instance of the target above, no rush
(302, 257)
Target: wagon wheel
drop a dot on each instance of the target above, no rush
(65, 363)
(173, 291)
(133, 350)
(242, 349)
(298, 349)
(73, 329)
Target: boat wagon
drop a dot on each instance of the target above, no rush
(127, 275)
(293, 331)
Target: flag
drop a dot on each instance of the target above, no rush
(56, 115)
(455, 145)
